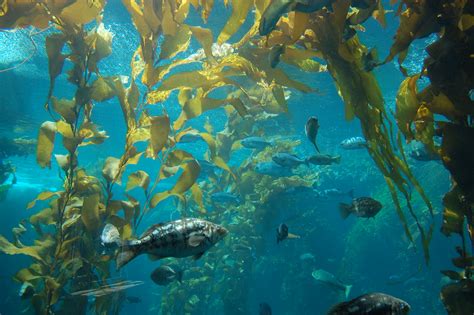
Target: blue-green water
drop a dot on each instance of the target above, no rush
(365, 253)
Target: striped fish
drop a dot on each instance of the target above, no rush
(180, 238)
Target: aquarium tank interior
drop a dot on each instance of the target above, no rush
(237, 157)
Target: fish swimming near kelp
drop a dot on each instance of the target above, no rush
(323, 159)
(311, 130)
(180, 238)
(225, 198)
(363, 207)
(274, 55)
(165, 275)
(255, 143)
(273, 169)
(277, 8)
(354, 143)
(287, 160)
(372, 304)
(282, 233)
(329, 279)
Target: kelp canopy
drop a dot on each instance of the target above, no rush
(245, 71)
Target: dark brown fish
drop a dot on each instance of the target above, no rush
(372, 304)
(282, 233)
(311, 130)
(364, 207)
(180, 238)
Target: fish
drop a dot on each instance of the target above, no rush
(273, 169)
(179, 238)
(274, 55)
(372, 304)
(287, 160)
(133, 299)
(422, 154)
(165, 275)
(471, 95)
(254, 143)
(27, 290)
(363, 207)
(307, 257)
(370, 60)
(282, 233)
(207, 168)
(329, 279)
(264, 309)
(277, 8)
(311, 130)
(225, 197)
(354, 143)
(323, 159)
(334, 193)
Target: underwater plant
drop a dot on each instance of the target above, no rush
(64, 253)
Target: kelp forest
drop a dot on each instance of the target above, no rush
(238, 69)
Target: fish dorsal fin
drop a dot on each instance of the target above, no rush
(196, 240)
(151, 229)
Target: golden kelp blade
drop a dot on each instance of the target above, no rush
(240, 10)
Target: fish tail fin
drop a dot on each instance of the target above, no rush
(179, 276)
(316, 146)
(347, 291)
(338, 159)
(293, 236)
(351, 193)
(125, 255)
(345, 210)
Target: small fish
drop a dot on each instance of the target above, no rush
(311, 130)
(364, 207)
(282, 233)
(323, 159)
(277, 8)
(180, 238)
(372, 304)
(225, 197)
(354, 143)
(370, 60)
(471, 95)
(287, 160)
(265, 309)
(133, 299)
(307, 257)
(110, 236)
(273, 169)
(274, 55)
(420, 153)
(329, 279)
(255, 143)
(165, 275)
(26, 291)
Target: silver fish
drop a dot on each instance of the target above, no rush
(165, 275)
(311, 129)
(329, 279)
(180, 238)
(354, 143)
(372, 304)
